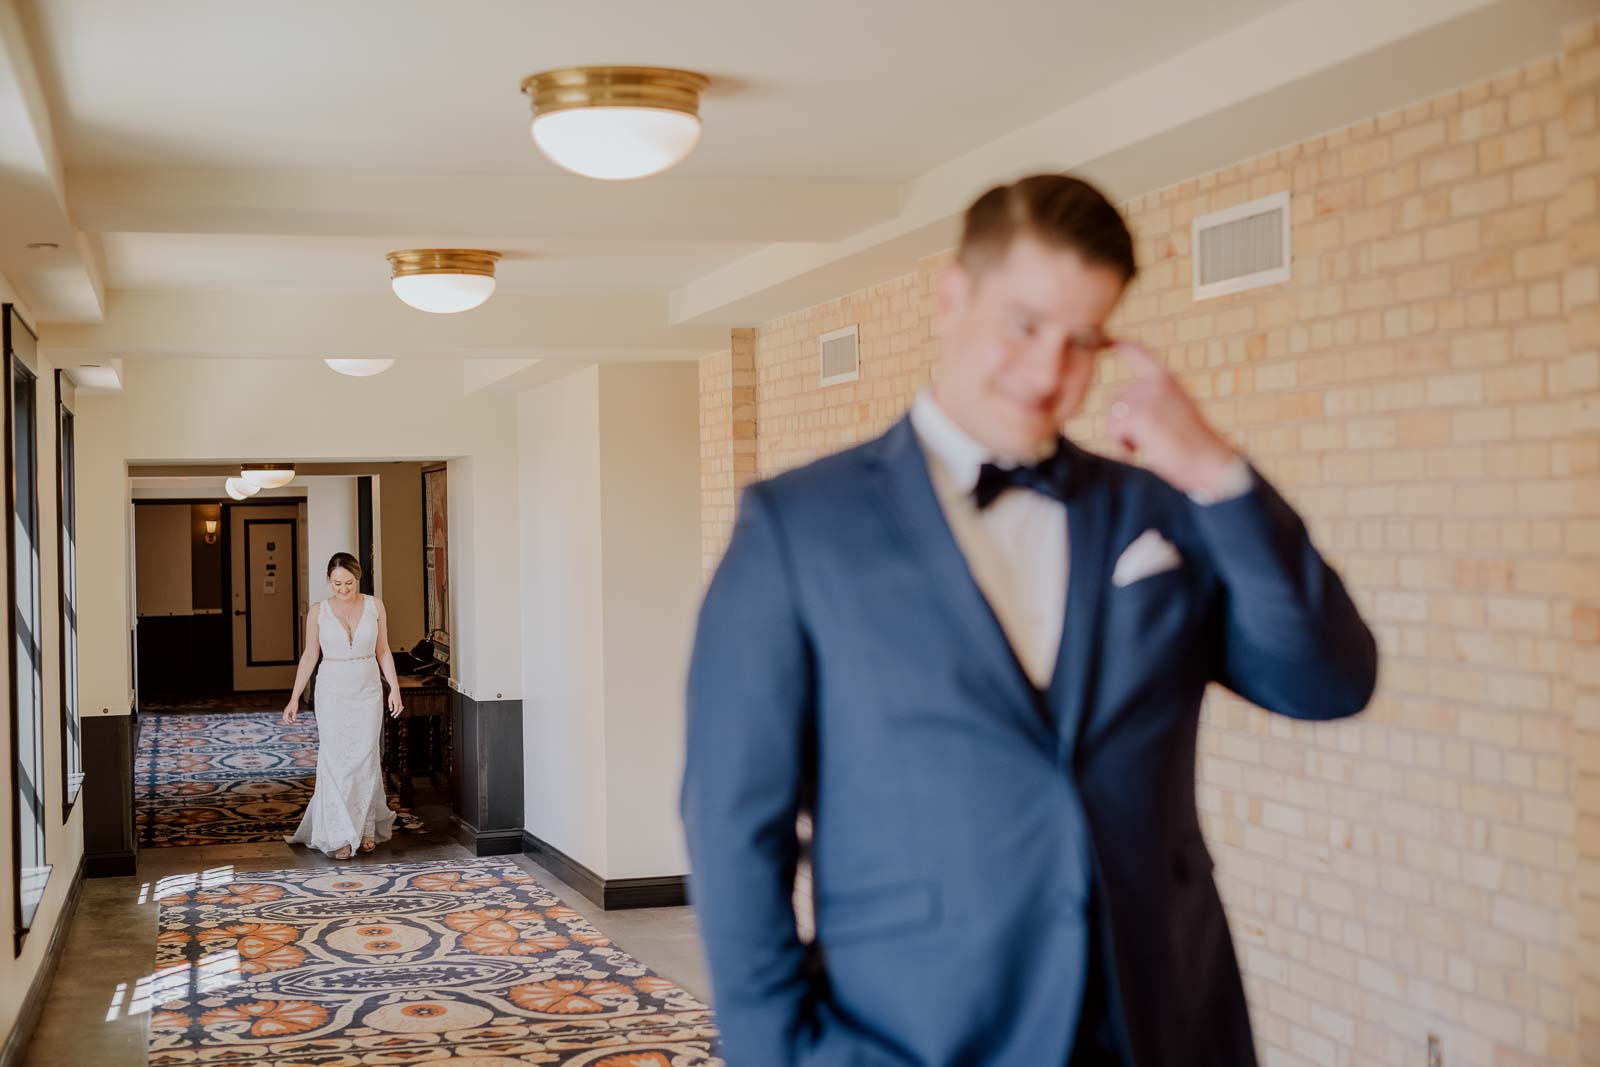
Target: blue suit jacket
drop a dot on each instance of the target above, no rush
(847, 664)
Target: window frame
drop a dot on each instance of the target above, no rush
(67, 533)
(17, 368)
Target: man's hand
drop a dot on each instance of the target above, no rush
(1154, 418)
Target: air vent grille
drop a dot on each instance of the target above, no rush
(1244, 247)
(841, 356)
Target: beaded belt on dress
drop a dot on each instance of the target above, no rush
(347, 659)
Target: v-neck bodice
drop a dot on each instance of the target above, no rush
(341, 642)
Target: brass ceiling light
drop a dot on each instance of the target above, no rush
(443, 280)
(267, 475)
(616, 123)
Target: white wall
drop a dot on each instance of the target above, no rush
(206, 410)
(485, 564)
(332, 525)
(563, 662)
(610, 583)
(650, 507)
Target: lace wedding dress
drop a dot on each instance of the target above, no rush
(349, 802)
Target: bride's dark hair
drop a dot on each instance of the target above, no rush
(348, 562)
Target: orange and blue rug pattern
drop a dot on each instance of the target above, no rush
(469, 962)
(225, 777)
(206, 779)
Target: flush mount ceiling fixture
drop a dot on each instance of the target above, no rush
(240, 489)
(360, 368)
(268, 475)
(616, 123)
(442, 280)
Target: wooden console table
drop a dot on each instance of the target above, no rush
(425, 697)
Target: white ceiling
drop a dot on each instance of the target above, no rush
(829, 91)
(224, 178)
(269, 261)
(835, 89)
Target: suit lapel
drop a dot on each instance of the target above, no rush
(919, 519)
(1089, 525)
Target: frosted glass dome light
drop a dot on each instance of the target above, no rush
(443, 281)
(360, 368)
(616, 123)
(240, 489)
(616, 143)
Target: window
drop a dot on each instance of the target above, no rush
(67, 507)
(27, 697)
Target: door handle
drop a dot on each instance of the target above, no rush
(236, 614)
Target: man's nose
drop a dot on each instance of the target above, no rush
(1044, 365)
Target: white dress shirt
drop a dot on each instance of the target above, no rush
(1016, 548)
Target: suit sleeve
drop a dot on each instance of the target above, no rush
(1293, 641)
(749, 724)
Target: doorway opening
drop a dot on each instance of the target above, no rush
(222, 592)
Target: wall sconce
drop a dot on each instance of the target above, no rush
(211, 531)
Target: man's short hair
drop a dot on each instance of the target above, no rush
(1056, 209)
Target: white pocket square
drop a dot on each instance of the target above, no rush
(1149, 554)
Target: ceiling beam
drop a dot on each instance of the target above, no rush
(64, 283)
(321, 324)
(1298, 71)
(472, 207)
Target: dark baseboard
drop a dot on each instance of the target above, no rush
(486, 842)
(110, 836)
(668, 891)
(33, 1004)
(564, 867)
(123, 864)
(618, 894)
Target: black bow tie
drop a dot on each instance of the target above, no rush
(1050, 476)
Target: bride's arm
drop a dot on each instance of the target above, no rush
(386, 659)
(308, 663)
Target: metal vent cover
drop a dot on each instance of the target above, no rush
(841, 355)
(1243, 247)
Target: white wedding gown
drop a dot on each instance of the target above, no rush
(348, 803)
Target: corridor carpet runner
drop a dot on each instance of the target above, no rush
(225, 777)
(469, 962)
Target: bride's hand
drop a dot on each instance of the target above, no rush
(291, 711)
(395, 707)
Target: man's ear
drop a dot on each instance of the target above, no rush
(952, 289)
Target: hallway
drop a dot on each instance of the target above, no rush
(107, 988)
(397, 283)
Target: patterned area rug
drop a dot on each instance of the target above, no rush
(468, 962)
(226, 778)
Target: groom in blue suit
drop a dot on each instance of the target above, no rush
(975, 654)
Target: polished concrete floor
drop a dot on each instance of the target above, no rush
(95, 1013)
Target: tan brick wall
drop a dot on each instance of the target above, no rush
(797, 419)
(727, 439)
(1425, 391)
(1581, 305)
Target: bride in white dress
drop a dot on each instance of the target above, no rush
(349, 632)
